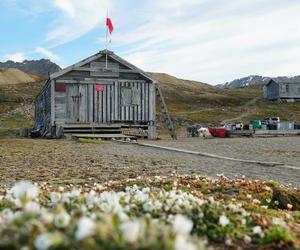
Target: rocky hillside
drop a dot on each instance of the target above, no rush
(38, 67)
(256, 80)
(16, 76)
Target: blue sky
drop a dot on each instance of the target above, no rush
(213, 41)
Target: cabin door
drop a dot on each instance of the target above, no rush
(77, 103)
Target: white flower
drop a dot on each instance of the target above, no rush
(278, 221)
(55, 197)
(157, 205)
(62, 220)
(290, 206)
(7, 215)
(46, 217)
(256, 201)
(74, 193)
(85, 228)
(148, 207)
(228, 242)
(181, 243)
(257, 230)
(65, 197)
(182, 225)
(223, 221)
(211, 199)
(43, 241)
(32, 207)
(47, 240)
(140, 196)
(131, 230)
(247, 239)
(25, 189)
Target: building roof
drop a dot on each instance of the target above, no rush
(97, 56)
(280, 82)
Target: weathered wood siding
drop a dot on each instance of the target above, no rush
(272, 91)
(43, 107)
(289, 90)
(123, 101)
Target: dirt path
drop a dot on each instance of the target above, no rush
(246, 112)
(58, 162)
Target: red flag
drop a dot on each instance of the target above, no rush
(109, 25)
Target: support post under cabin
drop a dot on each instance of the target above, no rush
(152, 135)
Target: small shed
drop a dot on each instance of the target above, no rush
(277, 91)
(104, 91)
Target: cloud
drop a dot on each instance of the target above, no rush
(47, 53)
(215, 42)
(75, 19)
(16, 57)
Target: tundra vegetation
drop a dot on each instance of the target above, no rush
(174, 212)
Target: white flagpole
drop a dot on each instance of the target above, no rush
(106, 40)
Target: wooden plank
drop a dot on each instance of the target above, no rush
(90, 102)
(131, 108)
(68, 111)
(52, 102)
(134, 108)
(105, 81)
(271, 164)
(101, 136)
(87, 69)
(151, 102)
(116, 101)
(127, 107)
(139, 111)
(108, 103)
(121, 102)
(147, 103)
(104, 103)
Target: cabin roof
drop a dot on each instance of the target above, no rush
(97, 56)
(269, 82)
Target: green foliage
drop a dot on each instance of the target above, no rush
(277, 235)
(1, 152)
(285, 197)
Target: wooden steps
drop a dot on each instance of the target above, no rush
(89, 129)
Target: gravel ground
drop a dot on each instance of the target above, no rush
(66, 161)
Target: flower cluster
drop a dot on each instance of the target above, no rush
(164, 213)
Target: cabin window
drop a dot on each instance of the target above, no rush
(287, 88)
(130, 96)
(60, 87)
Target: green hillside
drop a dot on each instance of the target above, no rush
(17, 95)
(203, 103)
(188, 101)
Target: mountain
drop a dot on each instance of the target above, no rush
(38, 67)
(255, 80)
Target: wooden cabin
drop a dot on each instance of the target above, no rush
(278, 91)
(100, 92)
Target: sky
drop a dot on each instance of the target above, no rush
(212, 41)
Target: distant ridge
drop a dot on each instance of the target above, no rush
(255, 80)
(38, 67)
